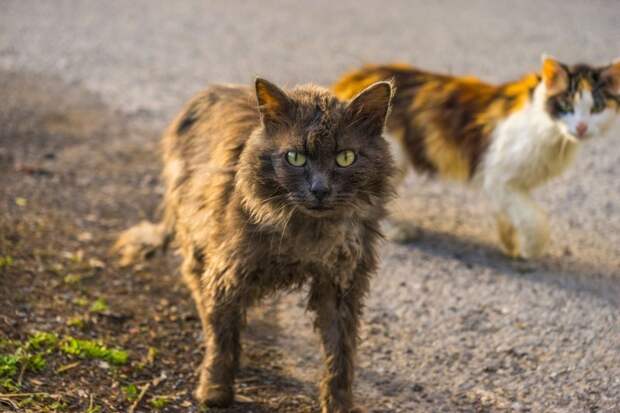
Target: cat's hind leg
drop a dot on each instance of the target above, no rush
(191, 270)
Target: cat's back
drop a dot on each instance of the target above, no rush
(443, 123)
(210, 131)
(201, 151)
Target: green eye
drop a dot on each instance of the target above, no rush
(345, 158)
(565, 106)
(296, 158)
(599, 106)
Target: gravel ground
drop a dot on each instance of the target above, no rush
(451, 325)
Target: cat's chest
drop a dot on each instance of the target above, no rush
(311, 251)
(527, 150)
(326, 245)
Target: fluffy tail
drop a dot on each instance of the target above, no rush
(142, 241)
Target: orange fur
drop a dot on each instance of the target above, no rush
(444, 122)
(554, 76)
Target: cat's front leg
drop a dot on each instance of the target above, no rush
(222, 311)
(337, 321)
(507, 235)
(522, 224)
(534, 234)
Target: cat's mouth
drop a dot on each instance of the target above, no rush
(318, 210)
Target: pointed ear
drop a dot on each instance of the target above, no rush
(554, 75)
(274, 105)
(611, 76)
(369, 109)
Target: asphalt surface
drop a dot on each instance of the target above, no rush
(449, 320)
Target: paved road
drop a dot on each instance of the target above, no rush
(450, 322)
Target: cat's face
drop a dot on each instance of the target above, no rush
(583, 100)
(320, 156)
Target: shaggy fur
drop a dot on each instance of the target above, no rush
(507, 139)
(249, 223)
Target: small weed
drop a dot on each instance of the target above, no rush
(5, 343)
(27, 356)
(81, 301)
(8, 365)
(27, 402)
(58, 406)
(6, 261)
(22, 202)
(93, 350)
(131, 392)
(76, 321)
(72, 279)
(34, 362)
(99, 306)
(159, 402)
(8, 384)
(42, 340)
(44, 403)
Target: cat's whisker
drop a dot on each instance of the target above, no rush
(284, 228)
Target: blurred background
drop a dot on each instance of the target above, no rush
(151, 55)
(451, 325)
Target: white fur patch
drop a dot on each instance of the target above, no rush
(527, 148)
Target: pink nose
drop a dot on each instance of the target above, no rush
(582, 128)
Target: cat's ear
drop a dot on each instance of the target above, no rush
(369, 109)
(611, 76)
(554, 75)
(274, 105)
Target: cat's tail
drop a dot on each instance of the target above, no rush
(142, 241)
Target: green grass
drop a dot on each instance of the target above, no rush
(159, 402)
(99, 306)
(8, 365)
(91, 349)
(17, 357)
(77, 321)
(42, 340)
(27, 356)
(131, 392)
(72, 278)
(6, 261)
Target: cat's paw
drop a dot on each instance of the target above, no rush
(215, 395)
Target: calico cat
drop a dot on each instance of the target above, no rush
(506, 139)
(267, 191)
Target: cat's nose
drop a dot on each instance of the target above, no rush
(319, 189)
(582, 129)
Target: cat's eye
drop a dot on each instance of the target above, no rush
(345, 158)
(565, 106)
(296, 158)
(599, 106)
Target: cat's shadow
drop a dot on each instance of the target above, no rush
(570, 273)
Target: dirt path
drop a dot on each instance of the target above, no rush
(451, 325)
